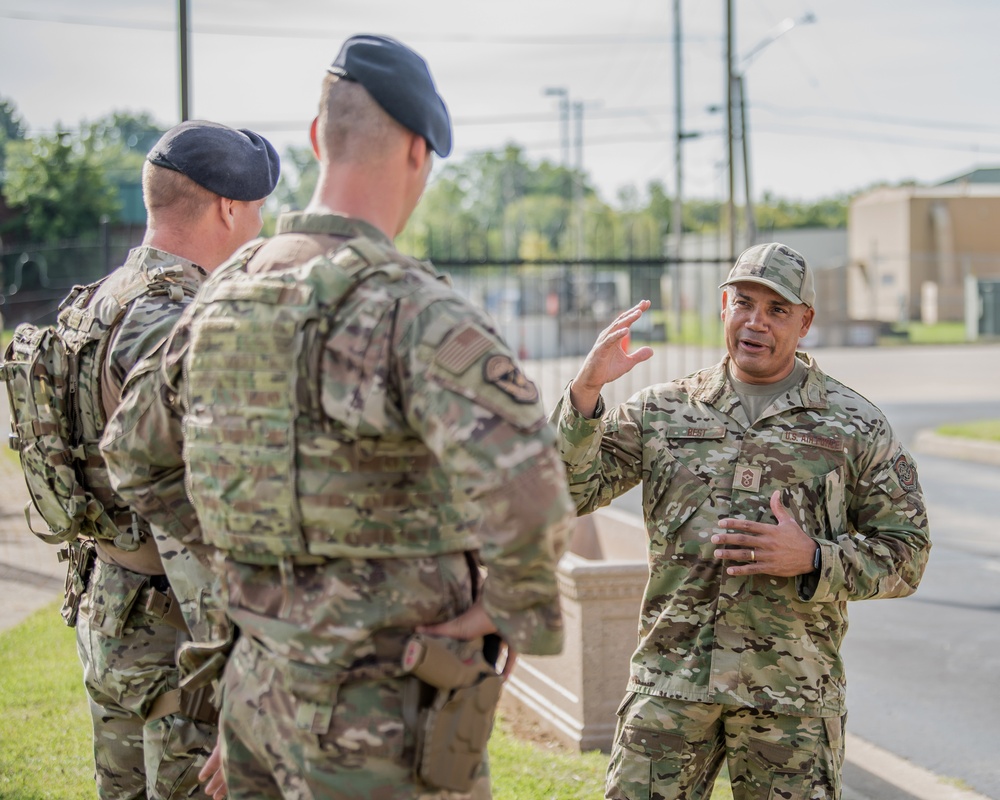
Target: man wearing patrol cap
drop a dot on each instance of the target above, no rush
(772, 495)
(356, 436)
(203, 187)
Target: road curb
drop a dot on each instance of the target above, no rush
(912, 780)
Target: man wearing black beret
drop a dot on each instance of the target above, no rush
(347, 471)
(204, 185)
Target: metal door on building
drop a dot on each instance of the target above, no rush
(989, 307)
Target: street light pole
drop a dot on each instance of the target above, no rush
(744, 140)
(578, 176)
(182, 35)
(678, 215)
(730, 76)
(739, 78)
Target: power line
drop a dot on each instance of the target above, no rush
(883, 119)
(826, 133)
(314, 33)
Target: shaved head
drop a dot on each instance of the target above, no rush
(170, 195)
(352, 127)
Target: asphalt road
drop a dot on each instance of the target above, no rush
(923, 670)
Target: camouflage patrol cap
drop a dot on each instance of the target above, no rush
(778, 267)
(236, 164)
(398, 80)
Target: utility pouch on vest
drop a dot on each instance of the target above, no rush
(113, 596)
(79, 557)
(453, 730)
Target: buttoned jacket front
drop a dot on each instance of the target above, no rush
(762, 641)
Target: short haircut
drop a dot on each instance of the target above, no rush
(167, 193)
(352, 126)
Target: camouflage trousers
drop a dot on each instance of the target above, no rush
(128, 661)
(673, 750)
(288, 735)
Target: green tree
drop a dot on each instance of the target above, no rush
(59, 187)
(485, 203)
(119, 142)
(12, 128)
(299, 173)
(134, 133)
(773, 212)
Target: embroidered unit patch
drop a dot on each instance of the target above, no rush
(906, 471)
(503, 373)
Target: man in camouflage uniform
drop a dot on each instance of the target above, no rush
(772, 495)
(203, 186)
(353, 430)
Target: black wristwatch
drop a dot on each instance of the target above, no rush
(817, 559)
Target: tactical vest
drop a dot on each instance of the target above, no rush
(53, 376)
(272, 477)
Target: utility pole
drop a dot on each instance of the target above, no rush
(182, 35)
(578, 176)
(731, 204)
(678, 216)
(563, 94)
(744, 140)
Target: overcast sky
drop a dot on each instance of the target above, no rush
(871, 90)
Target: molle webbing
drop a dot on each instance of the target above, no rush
(272, 477)
(54, 384)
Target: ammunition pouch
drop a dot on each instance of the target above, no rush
(79, 556)
(165, 607)
(454, 727)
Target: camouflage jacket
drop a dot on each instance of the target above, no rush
(762, 641)
(144, 326)
(422, 365)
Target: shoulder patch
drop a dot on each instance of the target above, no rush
(501, 371)
(906, 472)
(462, 349)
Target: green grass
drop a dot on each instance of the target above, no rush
(920, 333)
(524, 771)
(983, 430)
(45, 742)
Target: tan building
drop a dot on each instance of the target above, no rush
(911, 249)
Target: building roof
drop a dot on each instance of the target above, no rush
(978, 175)
(891, 194)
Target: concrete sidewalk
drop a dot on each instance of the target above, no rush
(30, 573)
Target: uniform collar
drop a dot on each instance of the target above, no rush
(330, 224)
(149, 258)
(712, 385)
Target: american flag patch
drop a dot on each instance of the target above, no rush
(463, 349)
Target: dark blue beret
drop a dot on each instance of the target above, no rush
(400, 82)
(237, 164)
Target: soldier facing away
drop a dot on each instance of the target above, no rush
(772, 495)
(203, 186)
(356, 436)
